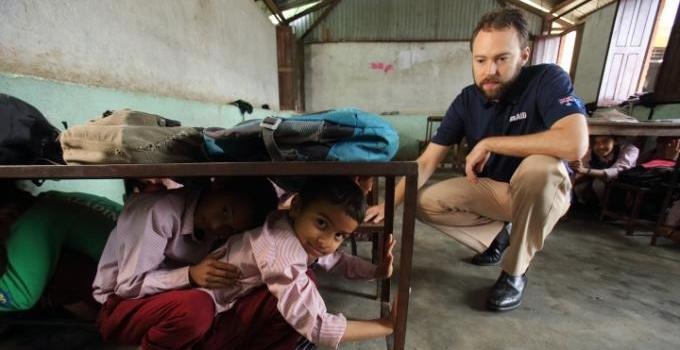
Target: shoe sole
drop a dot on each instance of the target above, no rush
(472, 261)
(485, 264)
(503, 308)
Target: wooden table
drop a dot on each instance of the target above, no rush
(389, 170)
(652, 128)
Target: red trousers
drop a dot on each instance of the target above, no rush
(184, 319)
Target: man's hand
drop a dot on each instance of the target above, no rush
(212, 273)
(375, 213)
(386, 268)
(476, 160)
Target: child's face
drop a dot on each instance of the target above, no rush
(603, 145)
(321, 226)
(220, 214)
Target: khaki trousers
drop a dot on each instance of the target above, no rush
(534, 200)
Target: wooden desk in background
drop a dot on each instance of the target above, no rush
(654, 128)
(596, 127)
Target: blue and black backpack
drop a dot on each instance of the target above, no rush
(348, 135)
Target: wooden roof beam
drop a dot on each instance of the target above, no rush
(314, 8)
(564, 4)
(291, 4)
(569, 11)
(321, 18)
(274, 9)
(536, 11)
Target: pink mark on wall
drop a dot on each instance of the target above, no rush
(385, 67)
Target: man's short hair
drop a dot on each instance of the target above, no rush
(336, 190)
(502, 19)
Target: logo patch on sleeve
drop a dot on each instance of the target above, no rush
(567, 101)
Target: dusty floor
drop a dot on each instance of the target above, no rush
(592, 287)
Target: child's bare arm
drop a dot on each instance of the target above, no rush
(386, 267)
(370, 329)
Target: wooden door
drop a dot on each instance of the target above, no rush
(546, 49)
(630, 38)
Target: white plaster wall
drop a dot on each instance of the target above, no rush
(207, 50)
(594, 46)
(411, 78)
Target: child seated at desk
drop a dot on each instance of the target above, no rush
(605, 159)
(325, 212)
(664, 153)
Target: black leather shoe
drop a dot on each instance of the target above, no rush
(493, 254)
(507, 293)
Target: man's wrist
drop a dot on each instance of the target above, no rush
(486, 144)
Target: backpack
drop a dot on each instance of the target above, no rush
(348, 135)
(26, 137)
(646, 177)
(126, 137)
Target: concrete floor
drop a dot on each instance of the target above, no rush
(592, 287)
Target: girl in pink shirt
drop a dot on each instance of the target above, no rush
(324, 213)
(602, 163)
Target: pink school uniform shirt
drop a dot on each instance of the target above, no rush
(273, 255)
(152, 246)
(626, 159)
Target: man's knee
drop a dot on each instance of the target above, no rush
(539, 171)
(425, 206)
(429, 204)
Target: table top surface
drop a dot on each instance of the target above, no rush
(647, 128)
(111, 171)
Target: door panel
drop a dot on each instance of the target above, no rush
(630, 38)
(546, 49)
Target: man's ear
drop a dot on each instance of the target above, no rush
(525, 55)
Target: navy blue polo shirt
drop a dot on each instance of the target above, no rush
(541, 95)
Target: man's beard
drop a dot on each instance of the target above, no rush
(495, 94)
(502, 88)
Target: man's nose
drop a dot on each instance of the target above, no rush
(491, 68)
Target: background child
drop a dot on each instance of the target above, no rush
(602, 163)
(324, 213)
(39, 236)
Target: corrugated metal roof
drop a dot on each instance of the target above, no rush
(396, 20)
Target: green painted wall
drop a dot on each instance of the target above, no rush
(669, 111)
(593, 53)
(77, 104)
(411, 129)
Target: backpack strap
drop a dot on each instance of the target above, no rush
(269, 126)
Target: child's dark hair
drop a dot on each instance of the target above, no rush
(258, 188)
(337, 190)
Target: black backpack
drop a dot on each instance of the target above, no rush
(646, 177)
(26, 137)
